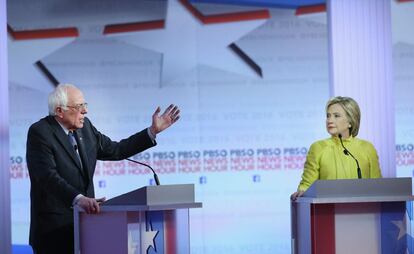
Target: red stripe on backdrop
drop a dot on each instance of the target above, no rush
(403, 1)
(323, 228)
(132, 27)
(43, 33)
(310, 9)
(170, 233)
(232, 17)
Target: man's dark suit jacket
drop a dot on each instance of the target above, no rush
(57, 176)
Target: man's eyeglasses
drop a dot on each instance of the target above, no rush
(78, 107)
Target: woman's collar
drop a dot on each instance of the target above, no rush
(347, 140)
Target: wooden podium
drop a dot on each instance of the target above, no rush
(352, 216)
(152, 219)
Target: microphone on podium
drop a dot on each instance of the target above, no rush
(347, 152)
(157, 181)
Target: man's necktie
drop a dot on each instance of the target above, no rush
(74, 145)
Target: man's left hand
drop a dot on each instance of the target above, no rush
(165, 120)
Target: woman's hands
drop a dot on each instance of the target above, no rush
(296, 195)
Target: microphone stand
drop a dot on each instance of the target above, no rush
(157, 181)
(347, 152)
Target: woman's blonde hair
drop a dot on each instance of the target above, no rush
(353, 113)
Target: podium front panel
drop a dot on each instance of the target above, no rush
(366, 228)
(133, 232)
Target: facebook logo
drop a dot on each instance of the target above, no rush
(202, 180)
(256, 178)
(102, 184)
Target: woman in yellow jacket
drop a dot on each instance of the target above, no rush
(326, 158)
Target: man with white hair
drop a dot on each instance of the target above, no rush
(61, 153)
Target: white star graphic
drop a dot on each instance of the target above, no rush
(185, 42)
(148, 239)
(23, 56)
(403, 226)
